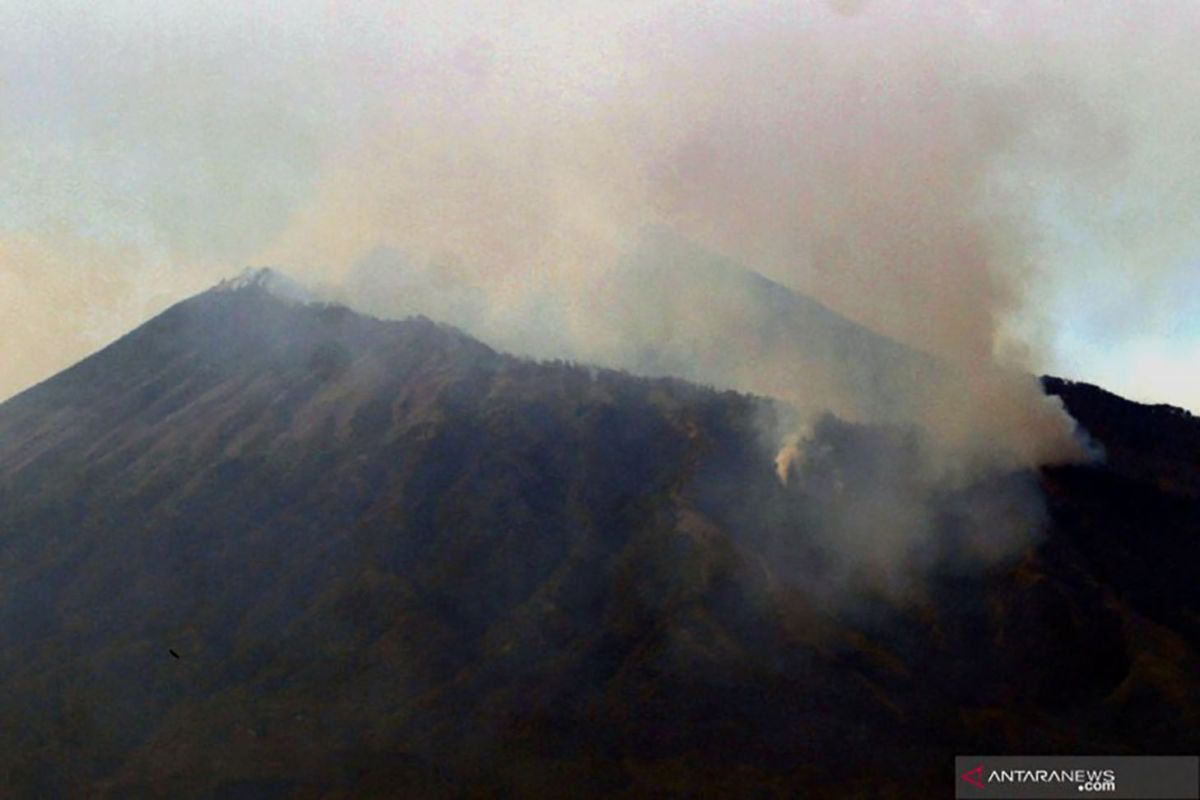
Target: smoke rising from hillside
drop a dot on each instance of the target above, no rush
(945, 173)
(862, 158)
(864, 161)
(956, 174)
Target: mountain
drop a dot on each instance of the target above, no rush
(262, 547)
(697, 314)
(672, 307)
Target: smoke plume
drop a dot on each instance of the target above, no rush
(593, 181)
(861, 158)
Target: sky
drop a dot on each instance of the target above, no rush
(1017, 183)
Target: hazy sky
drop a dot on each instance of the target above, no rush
(974, 177)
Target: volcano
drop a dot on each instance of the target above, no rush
(268, 547)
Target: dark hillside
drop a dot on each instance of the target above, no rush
(393, 562)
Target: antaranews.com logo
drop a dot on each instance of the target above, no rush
(1124, 777)
(1101, 780)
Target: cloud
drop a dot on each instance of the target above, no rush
(958, 175)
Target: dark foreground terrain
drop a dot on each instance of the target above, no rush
(394, 563)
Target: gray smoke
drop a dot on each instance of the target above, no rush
(956, 176)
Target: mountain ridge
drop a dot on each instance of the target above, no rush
(670, 307)
(391, 558)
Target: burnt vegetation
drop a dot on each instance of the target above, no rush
(400, 563)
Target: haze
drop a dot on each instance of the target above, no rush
(992, 183)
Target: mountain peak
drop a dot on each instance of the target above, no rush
(270, 280)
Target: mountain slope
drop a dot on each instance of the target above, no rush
(672, 307)
(712, 320)
(392, 561)
(279, 490)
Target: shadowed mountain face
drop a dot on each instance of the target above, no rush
(393, 562)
